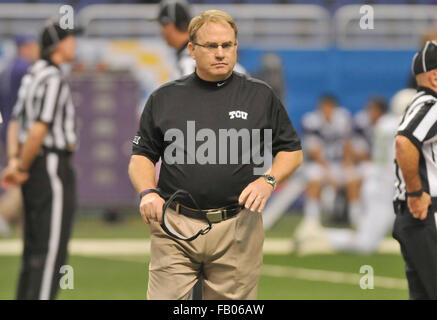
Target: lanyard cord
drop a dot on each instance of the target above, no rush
(168, 200)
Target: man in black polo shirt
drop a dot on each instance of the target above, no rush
(416, 179)
(210, 128)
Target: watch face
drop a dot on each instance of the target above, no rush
(270, 178)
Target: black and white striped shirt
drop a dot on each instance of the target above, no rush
(419, 125)
(45, 96)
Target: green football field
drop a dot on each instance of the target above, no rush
(109, 263)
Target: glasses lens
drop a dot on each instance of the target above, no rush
(212, 46)
(226, 45)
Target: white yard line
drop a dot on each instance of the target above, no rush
(126, 247)
(137, 250)
(331, 276)
(307, 274)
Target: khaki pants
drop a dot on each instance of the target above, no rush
(229, 257)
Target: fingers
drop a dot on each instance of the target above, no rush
(423, 214)
(256, 203)
(143, 212)
(243, 196)
(151, 208)
(158, 212)
(419, 214)
(255, 195)
(250, 199)
(262, 205)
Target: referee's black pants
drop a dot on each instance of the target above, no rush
(49, 204)
(418, 241)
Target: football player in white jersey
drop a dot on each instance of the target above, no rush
(377, 190)
(362, 140)
(326, 139)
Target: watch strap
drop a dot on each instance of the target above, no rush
(417, 193)
(147, 191)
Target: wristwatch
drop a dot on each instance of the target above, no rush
(270, 180)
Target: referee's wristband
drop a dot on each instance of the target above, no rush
(414, 194)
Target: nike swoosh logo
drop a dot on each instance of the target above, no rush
(220, 84)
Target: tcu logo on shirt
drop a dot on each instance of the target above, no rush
(238, 114)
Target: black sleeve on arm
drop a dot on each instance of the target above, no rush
(148, 140)
(285, 137)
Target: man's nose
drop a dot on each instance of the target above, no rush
(219, 53)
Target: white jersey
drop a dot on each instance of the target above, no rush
(383, 150)
(362, 133)
(329, 136)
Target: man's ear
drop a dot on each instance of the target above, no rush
(191, 49)
(433, 78)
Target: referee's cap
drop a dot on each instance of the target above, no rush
(52, 34)
(426, 59)
(174, 11)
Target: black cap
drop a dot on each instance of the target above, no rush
(176, 12)
(426, 59)
(52, 34)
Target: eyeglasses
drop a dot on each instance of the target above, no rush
(214, 46)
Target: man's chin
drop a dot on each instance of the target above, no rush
(220, 71)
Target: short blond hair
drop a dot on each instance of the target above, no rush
(210, 16)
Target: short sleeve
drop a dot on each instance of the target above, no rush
(148, 141)
(420, 124)
(52, 91)
(285, 137)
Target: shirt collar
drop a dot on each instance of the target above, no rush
(427, 91)
(213, 84)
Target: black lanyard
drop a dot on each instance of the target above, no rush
(180, 193)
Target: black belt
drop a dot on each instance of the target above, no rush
(224, 213)
(212, 215)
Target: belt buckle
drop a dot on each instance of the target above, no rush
(214, 216)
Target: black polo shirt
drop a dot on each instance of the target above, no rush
(188, 123)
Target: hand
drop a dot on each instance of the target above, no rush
(151, 208)
(11, 177)
(255, 195)
(419, 206)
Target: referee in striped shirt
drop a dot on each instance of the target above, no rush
(41, 139)
(416, 179)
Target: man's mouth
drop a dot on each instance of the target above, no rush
(219, 64)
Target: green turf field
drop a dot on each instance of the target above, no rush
(284, 276)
